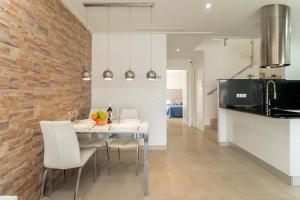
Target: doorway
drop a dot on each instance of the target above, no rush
(177, 95)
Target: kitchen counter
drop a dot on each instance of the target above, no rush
(274, 113)
(272, 141)
(250, 96)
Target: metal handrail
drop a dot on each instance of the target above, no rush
(235, 75)
(244, 69)
(212, 91)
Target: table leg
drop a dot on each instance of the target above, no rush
(146, 167)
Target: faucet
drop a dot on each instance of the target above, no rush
(268, 102)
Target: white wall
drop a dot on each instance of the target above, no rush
(185, 97)
(221, 63)
(148, 97)
(198, 64)
(179, 64)
(293, 72)
(176, 79)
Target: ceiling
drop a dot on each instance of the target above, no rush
(185, 45)
(232, 18)
(186, 19)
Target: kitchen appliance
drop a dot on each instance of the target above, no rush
(243, 94)
(276, 36)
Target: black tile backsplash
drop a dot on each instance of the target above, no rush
(249, 95)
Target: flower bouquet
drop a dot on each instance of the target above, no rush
(99, 117)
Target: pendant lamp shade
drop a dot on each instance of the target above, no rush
(151, 75)
(86, 75)
(129, 75)
(108, 75)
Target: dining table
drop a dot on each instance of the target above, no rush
(123, 128)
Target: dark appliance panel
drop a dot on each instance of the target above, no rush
(241, 93)
(288, 94)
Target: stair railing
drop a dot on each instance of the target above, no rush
(241, 71)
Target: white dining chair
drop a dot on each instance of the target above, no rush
(97, 143)
(125, 143)
(61, 150)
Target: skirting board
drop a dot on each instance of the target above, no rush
(158, 147)
(224, 144)
(291, 180)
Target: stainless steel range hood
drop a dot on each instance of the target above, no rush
(275, 41)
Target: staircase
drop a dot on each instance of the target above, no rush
(213, 124)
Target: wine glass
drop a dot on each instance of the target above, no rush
(73, 115)
(76, 113)
(70, 115)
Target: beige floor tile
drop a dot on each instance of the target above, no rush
(194, 167)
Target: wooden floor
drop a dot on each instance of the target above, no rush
(193, 168)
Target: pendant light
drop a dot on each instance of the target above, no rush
(86, 74)
(129, 74)
(151, 75)
(108, 74)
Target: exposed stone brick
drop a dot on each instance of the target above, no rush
(42, 54)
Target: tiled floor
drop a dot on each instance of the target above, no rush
(193, 168)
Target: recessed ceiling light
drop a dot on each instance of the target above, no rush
(208, 5)
(178, 50)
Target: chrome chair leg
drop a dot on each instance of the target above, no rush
(95, 166)
(77, 182)
(138, 154)
(109, 164)
(64, 175)
(108, 157)
(137, 161)
(119, 154)
(43, 183)
(99, 160)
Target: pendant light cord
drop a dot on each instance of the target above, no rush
(151, 24)
(86, 46)
(129, 24)
(108, 36)
(86, 65)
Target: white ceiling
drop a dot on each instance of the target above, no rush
(226, 18)
(234, 18)
(186, 45)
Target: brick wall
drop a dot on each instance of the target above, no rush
(42, 51)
